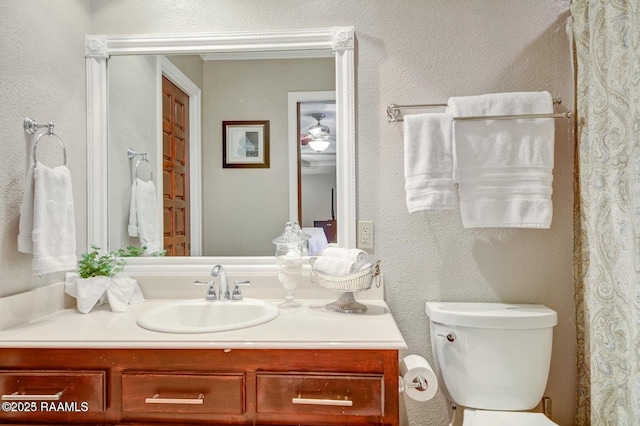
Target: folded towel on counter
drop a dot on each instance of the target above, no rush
(119, 291)
(47, 221)
(122, 292)
(334, 266)
(428, 162)
(357, 256)
(144, 216)
(504, 167)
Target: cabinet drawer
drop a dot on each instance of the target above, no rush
(53, 391)
(304, 393)
(152, 392)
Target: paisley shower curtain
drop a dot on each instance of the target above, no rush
(607, 261)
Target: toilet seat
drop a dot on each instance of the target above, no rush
(504, 418)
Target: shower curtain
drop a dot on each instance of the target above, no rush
(607, 256)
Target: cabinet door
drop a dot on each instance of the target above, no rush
(308, 393)
(66, 396)
(153, 392)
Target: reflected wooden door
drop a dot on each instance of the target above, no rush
(175, 169)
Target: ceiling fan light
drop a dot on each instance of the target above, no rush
(319, 145)
(320, 134)
(319, 130)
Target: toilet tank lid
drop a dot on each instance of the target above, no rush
(491, 315)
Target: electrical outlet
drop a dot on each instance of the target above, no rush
(365, 234)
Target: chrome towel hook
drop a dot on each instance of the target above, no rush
(131, 154)
(31, 127)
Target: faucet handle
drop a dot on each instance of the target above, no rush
(211, 292)
(237, 294)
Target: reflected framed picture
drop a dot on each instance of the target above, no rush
(245, 144)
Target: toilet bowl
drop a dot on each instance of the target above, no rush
(492, 359)
(504, 418)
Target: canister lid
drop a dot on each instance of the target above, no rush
(491, 315)
(288, 236)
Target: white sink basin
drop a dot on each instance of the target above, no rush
(201, 316)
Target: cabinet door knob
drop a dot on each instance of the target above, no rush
(23, 397)
(155, 399)
(313, 401)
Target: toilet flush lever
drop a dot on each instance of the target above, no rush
(449, 336)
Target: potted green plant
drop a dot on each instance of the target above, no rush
(97, 264)
(99, 279)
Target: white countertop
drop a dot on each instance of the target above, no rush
(309, 327)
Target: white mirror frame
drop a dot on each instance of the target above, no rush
(324, 42)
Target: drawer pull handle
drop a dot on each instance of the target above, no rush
(24, 397)
(312, 401)
(187, 401)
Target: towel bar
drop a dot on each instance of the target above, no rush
(393, 113)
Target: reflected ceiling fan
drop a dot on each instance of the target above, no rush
(318, 137)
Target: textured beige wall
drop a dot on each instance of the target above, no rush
(133, 123)
(41, 76)
(244, 209)
(408, 51)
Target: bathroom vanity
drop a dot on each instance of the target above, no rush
(308, 366)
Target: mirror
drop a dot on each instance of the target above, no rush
(301, 45)
(245, 201)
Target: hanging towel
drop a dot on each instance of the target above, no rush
(53, 232)
(132, 229)
(25, 227)
(428, 162)
(147, 216)
(504, 167)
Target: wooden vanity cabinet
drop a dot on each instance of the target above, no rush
(200, 386)
(54, 394)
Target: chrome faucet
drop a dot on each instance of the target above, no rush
(211, 291)
(223, 288)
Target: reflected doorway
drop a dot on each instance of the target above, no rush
(175, 170)
(316, 196)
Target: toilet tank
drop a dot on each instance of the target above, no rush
(492, 356)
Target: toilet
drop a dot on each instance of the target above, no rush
(492, 359)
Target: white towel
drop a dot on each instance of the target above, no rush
(428, 162)
(120, 291)
(50, 214)
(318, 240)
(133, 212)
(357, 256)
(334, 266)
(504, 167)
(25, 233)
(147, 223)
